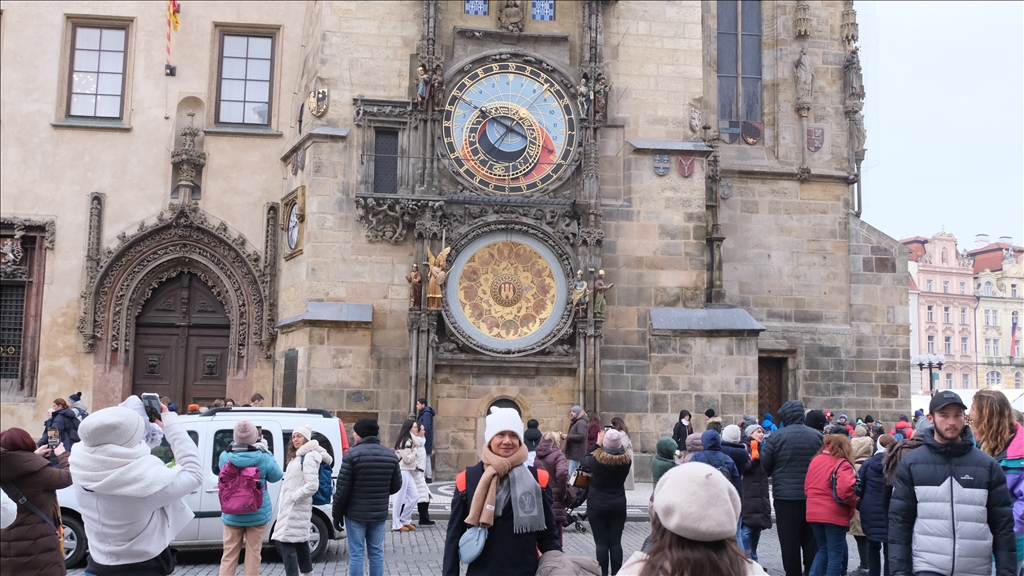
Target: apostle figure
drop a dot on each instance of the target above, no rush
(437, 88)
(599, 289)
(415, 280)
(580, 293)
(422, 87)
(437, 277)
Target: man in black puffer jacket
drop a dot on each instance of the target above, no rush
(785, 457)
(951, 502)
(369, 476)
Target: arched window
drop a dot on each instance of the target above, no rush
(1018, 381)
(994, 378)
(989, 288)
(945, 256)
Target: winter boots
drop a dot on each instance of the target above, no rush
(424, 509)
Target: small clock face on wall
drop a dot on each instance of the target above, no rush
(509, 128)
(293, 227)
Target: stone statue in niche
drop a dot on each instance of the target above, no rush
(415, 280)
(437, 88)
(858, 135)
(853, 81)
(422, 87)
(580, 294)
(511, 16)
(599, 289)
(804, 77)
(585, 95)
(601, 89)
(437, 277)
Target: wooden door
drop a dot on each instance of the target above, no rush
(181, 343)
(770, 386)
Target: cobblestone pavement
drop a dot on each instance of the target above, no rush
(419, 553)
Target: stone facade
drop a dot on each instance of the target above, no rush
(809, 301)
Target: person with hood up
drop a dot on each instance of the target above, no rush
(247, 449)
(695, 514)
(65, 420)
(505, 497)
(576, 440)
(830, 508)
(873, 507)
(863, 448)
(131, 503)
(31, 544)
(713, 456)
(757, 509)
(682, 429)
(815, 419)
(295, 501)
(550, 459)
(425, 416)
(663, 460)
(606, 501)
(903, 428)
(768, 424)
(693, 447)
(785, 457)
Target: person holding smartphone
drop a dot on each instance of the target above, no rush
(132, 504)
(65, 421)
(32, 545)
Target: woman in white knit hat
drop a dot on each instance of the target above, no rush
(503, 500)
(295, 502)
(131, 502)
(695, 514)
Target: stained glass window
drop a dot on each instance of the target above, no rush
(739, 60)
(543, 9)
(476, 7)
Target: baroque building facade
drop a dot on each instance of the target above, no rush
(704, 155)
(999, 287)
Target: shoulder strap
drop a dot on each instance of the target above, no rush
(20, 498)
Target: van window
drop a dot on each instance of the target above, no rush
(320, 438)
(222, 441)
(163, 451)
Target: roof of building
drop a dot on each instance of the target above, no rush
(916, 245)
(911, 284)
(991, 257)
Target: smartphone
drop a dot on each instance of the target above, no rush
(52, 437)
(152, 404)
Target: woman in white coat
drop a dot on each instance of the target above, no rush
(407, 497)
(419, 440)
(295, 502)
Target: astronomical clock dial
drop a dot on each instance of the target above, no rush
(509, 129)
(293, 227)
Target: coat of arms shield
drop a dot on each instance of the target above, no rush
(686, 166)
(815, 139)
(661, 164)
(317, 103)
(729, 130)
(751, 132)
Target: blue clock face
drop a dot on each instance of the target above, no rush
(509, 129)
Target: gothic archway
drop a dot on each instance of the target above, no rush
(183, 240)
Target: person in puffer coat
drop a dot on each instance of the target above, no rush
(295, 502)
(735, 449)
(785, 456)
(606, 501)
(663, 458)
(419, 440)
(829, 510)
(64, 419)
(552, 460)
(873, 507)
(863, 448)
(950, 511)
(757, 509)
(558, 563)
(713, 456)
(693, 446)
(248, 449)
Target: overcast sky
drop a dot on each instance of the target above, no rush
(945, 118)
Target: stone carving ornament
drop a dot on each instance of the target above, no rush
(804, 78)
(511, 16)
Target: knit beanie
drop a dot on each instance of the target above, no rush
(860, 431)
(500, 420)
(116, 425)
(710, 412)
(576, 409)
(816, 419)
(869, 419)
(612, 439)
(366, 427)
(75, 397)
(731, 433)
(245, 433)
(749, 431)
(306, 432)
(695, 501)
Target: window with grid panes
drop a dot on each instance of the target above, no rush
(542, 9)
(947, 345)
(21, 285)
(931, 314)
(739, 64)
(963, 287)
(97, 72)
(945, 315)
(963, 315)
(928, 285)
(966, 381)
(963, 345)
(243, 92)
(12, 326)
(949, 381)
(945, 286)
(385, 161)
(931, 344)
(994, 378)
(987, 317)
(476, 7)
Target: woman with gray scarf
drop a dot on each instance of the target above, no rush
(505, 501)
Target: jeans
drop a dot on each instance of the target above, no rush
(607, 526)
(573, 465)
(795, 535)
(233, 536)
(365, 539)
(832, 552)
(875, 561)
(751, 536)
(295, 556)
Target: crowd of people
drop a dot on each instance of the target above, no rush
(939, 493)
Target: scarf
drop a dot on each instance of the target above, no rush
(893, 456)
(119, 471)
(527, 502)
(754, 452)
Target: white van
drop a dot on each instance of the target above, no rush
(212, 432)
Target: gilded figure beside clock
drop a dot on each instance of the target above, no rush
(510, 128)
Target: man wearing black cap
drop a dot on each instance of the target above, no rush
(369, 476)
(951, 502)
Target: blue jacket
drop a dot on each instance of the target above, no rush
(873, 503)
(769, 424)
(426, 419)
(269, 472)
(713, 456)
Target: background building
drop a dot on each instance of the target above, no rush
(706, 156)
(999, 287)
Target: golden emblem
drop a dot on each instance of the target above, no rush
(507, 290)
(317, 103)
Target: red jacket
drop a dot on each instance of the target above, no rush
(821, 506)
(903, 427)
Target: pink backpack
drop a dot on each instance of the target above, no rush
(240, 489)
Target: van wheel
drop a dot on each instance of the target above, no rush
(76, 545)
(319, 535)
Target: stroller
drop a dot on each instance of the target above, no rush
(580, 482)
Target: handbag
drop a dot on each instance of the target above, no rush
(20, 498)
(835, 492)
(472, 544)
(580, 478)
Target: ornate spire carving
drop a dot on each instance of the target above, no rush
(188, 158)
(849, 31)
(802, 20)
